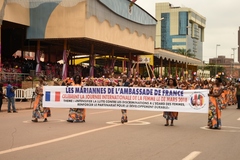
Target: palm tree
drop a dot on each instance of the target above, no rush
(185, 52)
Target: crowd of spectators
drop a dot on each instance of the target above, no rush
(19, 69)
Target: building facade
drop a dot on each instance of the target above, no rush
(179, 28)
(231, 69)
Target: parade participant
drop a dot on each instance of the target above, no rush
(205, 84)
(238, 94)
(231, 94)
(76, 114)
(224, 95)
(38, 110)
(215, 105)
(125, 83)
(170, 115)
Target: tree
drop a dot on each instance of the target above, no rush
(185, 52)
(212, 69)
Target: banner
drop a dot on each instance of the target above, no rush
(131, 98)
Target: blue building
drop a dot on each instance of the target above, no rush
(179, 28)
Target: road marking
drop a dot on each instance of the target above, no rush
(192, 155)
(223, 129)
(137, 123)
(41, 121)
(101, 112)
(238, 119)
(69, 136)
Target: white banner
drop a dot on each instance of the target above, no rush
(131, 98)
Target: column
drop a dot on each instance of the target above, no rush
(65, 61)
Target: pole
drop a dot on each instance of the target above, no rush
(233, 65)
(186, 72)
(216, 59)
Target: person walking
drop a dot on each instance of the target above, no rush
(76, 115)
(172, 84)
(125, 83)
(215, 105)
(11, 97)
(38, 110)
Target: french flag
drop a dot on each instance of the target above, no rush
(56, 96)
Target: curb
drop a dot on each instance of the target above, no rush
(18, 109)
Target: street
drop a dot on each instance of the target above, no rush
(103, 137)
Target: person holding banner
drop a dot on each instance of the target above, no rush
(126, 83)
(171, 84)
(76, 114)
(38, 110)
(215, 105)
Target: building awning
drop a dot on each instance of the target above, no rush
(172, 56)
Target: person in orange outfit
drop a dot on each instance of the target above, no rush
(38, 110)
(215, 105)
(76, 114)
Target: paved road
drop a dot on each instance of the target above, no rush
(103, 137)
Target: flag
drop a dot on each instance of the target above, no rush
(56, 96)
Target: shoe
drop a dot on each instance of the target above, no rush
(9, 111)
(83, 120)
(166, 125)
(76, 121)
(126, 120)
(34, 120)
(69, 120)
(15, 112)
(45, 120)
(122, 120)
(237, 108)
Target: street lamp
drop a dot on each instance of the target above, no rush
(217, 45)
(233, 67)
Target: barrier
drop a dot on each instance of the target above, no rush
(23, 93)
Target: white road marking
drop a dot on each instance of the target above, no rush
(192, 155)
(101, 112)
(135, 123)
(41, 121)
(223, 129)
(69, 136)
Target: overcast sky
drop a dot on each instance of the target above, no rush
(222, 23)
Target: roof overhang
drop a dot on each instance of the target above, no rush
(178, 58)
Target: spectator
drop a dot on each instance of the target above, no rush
(11, 97)
(1, 96)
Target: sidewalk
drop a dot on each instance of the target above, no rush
(19, 105)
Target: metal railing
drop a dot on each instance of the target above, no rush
(22, 94)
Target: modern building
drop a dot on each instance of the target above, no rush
(179, 28)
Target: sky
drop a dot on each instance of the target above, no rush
(222, 23)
